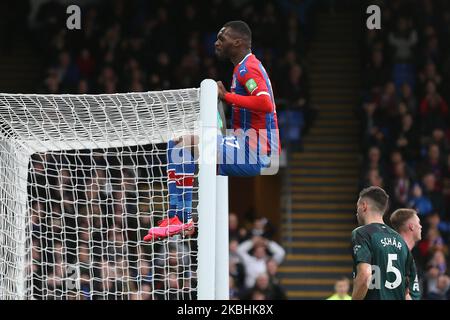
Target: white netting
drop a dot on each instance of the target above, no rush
(82, 179)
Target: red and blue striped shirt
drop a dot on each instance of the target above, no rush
(250, 79)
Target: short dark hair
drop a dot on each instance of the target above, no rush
(400, 216)
(241, 28)
(343, 278)
(378, 196)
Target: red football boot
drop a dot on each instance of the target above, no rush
(169, 227)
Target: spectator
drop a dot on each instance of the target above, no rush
(430, 190)
(255, 263)
(377, 72)
(262, 284)
(258, 295)
(107, 79)
(407, 96)
(52, 83)
(433, 110)
(234, 292)
(235, 231)
(237, 270)
(431, 280)
(388, 105)
(341, 289)
(396, 158)
(429, 73)
(86, 63)
(438, 136)
(403, 41)
(420, 202)
(406, 138)
(433, 164)
(275, 283)
(432, 51)
(272, 271)
(374, 161)
(146, 292)
(441, 291)
(373, 178)
(377, 137)
(296, 92)
(83, 87)
(438, 260)
(432, 242)
(261, 228)
(446, 184)
(401, 185)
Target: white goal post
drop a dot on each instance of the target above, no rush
(82, 179)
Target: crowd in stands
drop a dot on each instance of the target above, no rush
(93, 217)
(90, 221)
(131, 46)
(254, 261)
(88, 215)
(406, 124)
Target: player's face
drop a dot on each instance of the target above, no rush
(342, 287)
(223, 44)
(417, 228)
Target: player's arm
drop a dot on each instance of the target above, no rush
(258, 98)
(261, 103)
(407, 296)
(361, 281)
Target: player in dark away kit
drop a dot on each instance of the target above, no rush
(382, 262)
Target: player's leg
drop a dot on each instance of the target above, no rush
(185, 150)
(236, 158)
(180, 178)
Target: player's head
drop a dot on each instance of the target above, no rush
(406, 221)
(342, 286)
(232, 39)
(372, 201)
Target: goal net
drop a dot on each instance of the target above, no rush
(82, 179)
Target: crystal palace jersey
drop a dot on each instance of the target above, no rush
(393, 268)
(251, 79)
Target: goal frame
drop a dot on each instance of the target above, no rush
(213, 265)
(212, 272)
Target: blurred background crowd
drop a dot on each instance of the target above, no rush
(405, 120)
(132, 46)
(88, 221)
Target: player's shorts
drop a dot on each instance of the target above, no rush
(236, 158)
